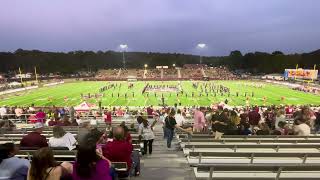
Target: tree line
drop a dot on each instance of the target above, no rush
(75, 61)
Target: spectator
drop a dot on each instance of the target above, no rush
(145, 131)
(12, 167)
(170, 125)
(65, 121)
(6, 124)
(127, 135)
(254, 118)
(245, 129)
(108, 118)
(264, 129)
(282, 128)
(179, 118)
(18, 111)
(280, 118)
(90, 164)
(62, 139)
(221, 124)
(44, 166)
(3, 111)
(71, 113)
(52, 122)
(199, 120)
(83, 131)
(150, 112)
(120, 150)
(41, 116)
(301, 128)
(34, 139)
(74, 122)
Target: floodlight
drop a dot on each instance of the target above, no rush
(201, 45)
(123, 46)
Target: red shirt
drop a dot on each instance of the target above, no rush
(254, 118)
(107, 117)
(52, 123)
(118, 151)
(34, 139)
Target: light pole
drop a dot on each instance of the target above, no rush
(145, 66)
(124, 47)
(201, 46)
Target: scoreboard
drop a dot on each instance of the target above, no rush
(301, 74)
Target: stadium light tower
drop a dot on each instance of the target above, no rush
(123, 47)
(201, 46)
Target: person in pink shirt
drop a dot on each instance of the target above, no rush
(120, 112)
(199, 120)
(41, 116)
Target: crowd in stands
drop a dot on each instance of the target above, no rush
(110, 73)
(153, 73)
(189, 71)
(221, 73)
(192, 72)
(97, 150)
(170, 73)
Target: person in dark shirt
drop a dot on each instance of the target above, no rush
(220, 124)
(254, 118)
(264, 129)
(170, 125)
(34, 139)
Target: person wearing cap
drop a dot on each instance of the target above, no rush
(34, 138)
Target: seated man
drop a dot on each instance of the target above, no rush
(34, 139)
(120, 150)
(11, 166)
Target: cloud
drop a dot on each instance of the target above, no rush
(161, 25)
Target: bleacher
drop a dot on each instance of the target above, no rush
(252, 157)
(61, 153)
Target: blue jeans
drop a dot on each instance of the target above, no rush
(169, 134)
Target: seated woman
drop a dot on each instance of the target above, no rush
(11, 166)
(43, 166)
(62, 139)
(90, 164)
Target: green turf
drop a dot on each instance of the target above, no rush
(40, 97)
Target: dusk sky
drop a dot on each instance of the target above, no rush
(161, 25)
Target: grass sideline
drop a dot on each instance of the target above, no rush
(69, 94)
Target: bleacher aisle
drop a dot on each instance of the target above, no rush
(165, 164)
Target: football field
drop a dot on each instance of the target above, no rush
(73, 93)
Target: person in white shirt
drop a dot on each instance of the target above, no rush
(62, 139)
(3, 111)
(146, 133)
(301, 129)
(179, 118)
(280, 117)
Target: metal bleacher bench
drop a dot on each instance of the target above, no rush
(195, 158)
(257, 171)
(252, 148)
